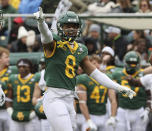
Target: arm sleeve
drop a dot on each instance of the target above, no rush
(146, 81)
(46, 34)
(104, 80)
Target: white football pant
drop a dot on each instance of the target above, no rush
(4, 120)
(99, 121)
(129, 120)
(24, 126)
(45, 126)
(80, 120)
(59, 109)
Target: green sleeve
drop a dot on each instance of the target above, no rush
(81, 79)
(37, 76)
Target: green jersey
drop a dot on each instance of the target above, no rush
(96, 94)
(22, 96)
(22, 91)
(62, 64)
(139, 99)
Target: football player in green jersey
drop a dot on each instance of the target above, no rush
(63, 55)
(93, 99)
(21, 87)
(146, 82)
(128, 113)
(4, 74)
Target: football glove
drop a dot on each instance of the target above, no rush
(10, 111)
(112, 121)
(91, 126)
(2, 97)
(125, 90)
(39, 15)
(32, 115)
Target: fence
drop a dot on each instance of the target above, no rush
(123, 20)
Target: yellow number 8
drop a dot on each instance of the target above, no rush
(70, 67)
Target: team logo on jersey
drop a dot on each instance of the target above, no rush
(80, 51)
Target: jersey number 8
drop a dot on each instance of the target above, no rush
(70, 70)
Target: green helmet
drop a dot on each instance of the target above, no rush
(67, 18)
(39, 110)
(132, 62)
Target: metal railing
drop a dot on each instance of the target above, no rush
(84, 16)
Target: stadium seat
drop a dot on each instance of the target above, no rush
(13, 69)
(34, 57)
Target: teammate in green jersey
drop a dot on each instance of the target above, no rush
(93, 99)
(146, 82)
(21, 87)
(63, 55)
(129, 111)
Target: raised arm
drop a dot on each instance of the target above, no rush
(45, 33)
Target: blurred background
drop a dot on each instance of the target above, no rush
(122, 25)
